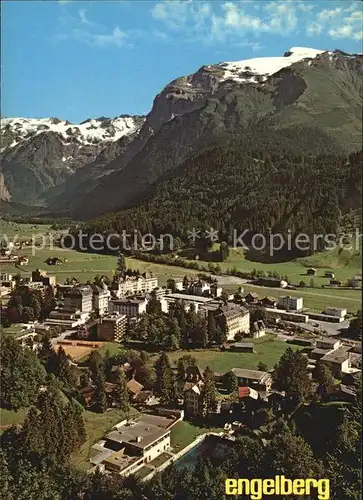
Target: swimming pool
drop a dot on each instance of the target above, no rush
(210, 447)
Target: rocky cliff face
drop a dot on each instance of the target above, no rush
(305, 88)
(39, 154)
(4, 193)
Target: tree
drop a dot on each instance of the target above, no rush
(63, 369)
(99, 396)
(121, 263)
(164, 386)
(171, 285)
(230, 382)
(323, 375)
(21, 375)
(95, 363)
(355, 326)
(121, 395)
(290, 455)
(154, 305)
(291, 374)
(208, 393)
(46, 351)
(262, 367)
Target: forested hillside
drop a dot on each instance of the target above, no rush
(242, 184)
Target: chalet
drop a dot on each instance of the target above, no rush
(258, 329)
(257, 380)
(311, 271)
(269, 302)
(330, 275)
(134, 388)
(53, 261)
(252, 298)
(192, 390)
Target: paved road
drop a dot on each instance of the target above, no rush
(331, 328)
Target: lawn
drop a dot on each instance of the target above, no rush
(11, 417)
(97, 425)
(315, 299)
(183, 433)
(268, 350)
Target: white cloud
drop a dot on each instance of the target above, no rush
(326, 14)
(314, 28)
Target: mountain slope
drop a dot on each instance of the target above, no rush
(38, 154)
(313, 89)
(243, 185)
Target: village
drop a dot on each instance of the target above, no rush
(188, 317)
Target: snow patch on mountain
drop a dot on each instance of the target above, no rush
(89, 132)
(259, 69)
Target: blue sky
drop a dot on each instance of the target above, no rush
(74, 59)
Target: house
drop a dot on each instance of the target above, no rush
(130, 307)
(232, 319)
(216, 290)
(335, 311)
(134, 388)
(272, 282)
(258, 329)
(328, 343)
(252, 298)
(257, 380)
(341, 392)
(335, 283)
(88, 392)
(187, 300)
(131, 444)
(243, 347)
(42, 277)
(290, 303)
(328, 274)
(269, 302)
(23, 261)
(311, 271)
(338, 360)
(200, 287)
(192, 390)
(112, 327)
(355, 282)
(53, 261)
(247, 392)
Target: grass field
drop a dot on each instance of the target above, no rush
(97, 425)
(85, 266)
(183, 433)
(11, 417)
(268, 350)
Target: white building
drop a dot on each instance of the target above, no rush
(335, 311)
(100, 299)
(130, 445)
(130, 307)
(290, 303)
(132, 285)
(200, 287)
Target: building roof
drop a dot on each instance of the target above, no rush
(328, 340)
(246, 345)
(245, 392)
(337, 356)
(253, 294)
(251, 374)
(134, 386)
(140, 434)
(187, 297)
(320, 351)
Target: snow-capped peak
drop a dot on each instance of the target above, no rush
(260, 68)
(89, 132)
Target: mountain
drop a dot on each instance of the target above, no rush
(38, 154)
(316, 91)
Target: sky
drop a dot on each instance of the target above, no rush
(75, 60)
